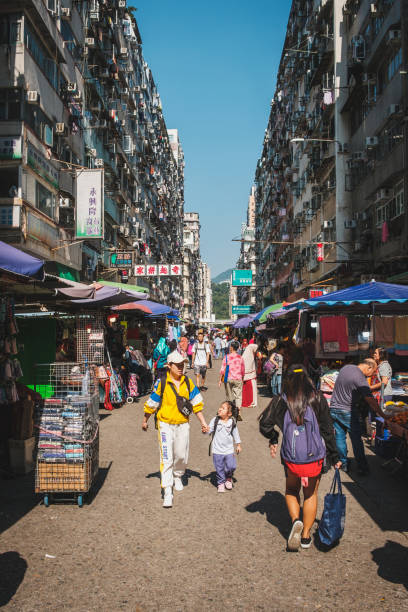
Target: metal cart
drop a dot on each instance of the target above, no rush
(67, 430)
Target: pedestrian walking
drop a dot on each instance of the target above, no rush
(249, 388)
(225, 432)
(233, 377)
(173, 399)
(349, 403)
(224, 345)
(160, 354)
(200, 361)
(276, 360)
(190, 349)
(302, 414)
(217, 345)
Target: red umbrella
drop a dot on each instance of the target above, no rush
(134, 306)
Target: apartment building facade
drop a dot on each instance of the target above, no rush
(247, 296)
(330, 203)
(76, 92)
(192, 282)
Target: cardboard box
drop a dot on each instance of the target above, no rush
(21, 455)
(57, 477)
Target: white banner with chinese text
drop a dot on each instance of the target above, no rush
(89, 203)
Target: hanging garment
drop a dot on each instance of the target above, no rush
(334, 334)
(401, 333)
(384, 232)
(384, 330)
(107, 404)
(132, 386)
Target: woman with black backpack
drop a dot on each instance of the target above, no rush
(303, 416)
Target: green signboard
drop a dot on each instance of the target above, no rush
(241, 310)
(121, 259)
(242, 278)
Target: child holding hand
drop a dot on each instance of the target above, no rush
(225, 432)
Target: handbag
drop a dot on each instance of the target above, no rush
(225, 375)
(331, 524)
(268, 368)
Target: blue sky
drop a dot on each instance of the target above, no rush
(215, 66)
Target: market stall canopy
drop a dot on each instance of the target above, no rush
(263, 314)
(244, 322)
(134, 306)
(121, 286)
(368, 293)
(156, 308)
(84, 292)
(17, 262)
(109, 296)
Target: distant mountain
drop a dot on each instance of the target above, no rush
(223, 277)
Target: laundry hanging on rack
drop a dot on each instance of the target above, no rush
(334, 334)
(384, 330)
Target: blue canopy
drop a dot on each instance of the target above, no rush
(16, 261)
(373, 292)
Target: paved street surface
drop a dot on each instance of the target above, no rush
(211, 551)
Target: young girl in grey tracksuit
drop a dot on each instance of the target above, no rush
(222, 446)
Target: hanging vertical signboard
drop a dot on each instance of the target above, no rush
(89, 203)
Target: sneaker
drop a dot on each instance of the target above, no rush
(221, 488)
(306, 542)
(228, 484)
(168, 498)
(295, 535)
(178, 483)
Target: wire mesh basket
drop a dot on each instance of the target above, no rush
(90, 334)
(67, 426)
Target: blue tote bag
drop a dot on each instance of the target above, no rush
(226, 369)
(331, 524)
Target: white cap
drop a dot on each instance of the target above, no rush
(176, 357)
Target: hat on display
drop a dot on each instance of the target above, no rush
(176, 357)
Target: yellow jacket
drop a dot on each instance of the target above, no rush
(169, 413)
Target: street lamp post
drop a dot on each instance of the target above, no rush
(301, 139)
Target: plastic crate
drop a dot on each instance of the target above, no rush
(386, 448)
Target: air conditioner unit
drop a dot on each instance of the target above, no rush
(89, 42)
(125, 92)
(327, 225)
(121, 229)
(92, 152)
(60, 128)
(392, 109)
(383, 195)
(394, 36)
(126, 231)
(65, 13)
(94, 15)
(64, 203)
(123, 51)
(99, 163)
(371, 141)
(71, 87)
(137, 89)
(122, 4)
(144, 87)
(350, 224)
(33, 97)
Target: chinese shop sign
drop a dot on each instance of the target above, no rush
(89, 203)
(158, 270)
(242, 278)
(121, 260)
